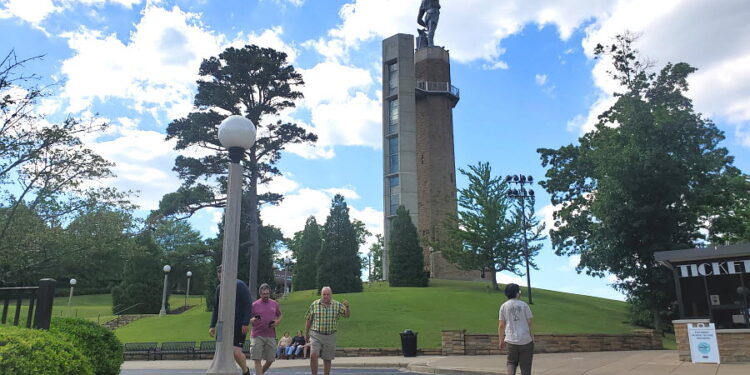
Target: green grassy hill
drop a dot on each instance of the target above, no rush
(381, 312)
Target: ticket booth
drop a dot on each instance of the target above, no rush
(713, 285)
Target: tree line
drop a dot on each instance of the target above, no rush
(651, 176)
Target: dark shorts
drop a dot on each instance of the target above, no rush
(239, 338)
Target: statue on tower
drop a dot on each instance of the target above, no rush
(429, 14)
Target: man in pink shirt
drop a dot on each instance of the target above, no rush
(267, 315)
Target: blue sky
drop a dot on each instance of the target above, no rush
(525, 70)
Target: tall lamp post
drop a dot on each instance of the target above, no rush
(287, 262)
(237, 134)
(522, 194)
(187, 290)
(70, 297)
(163, 310)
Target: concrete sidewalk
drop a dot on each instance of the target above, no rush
(653, 362)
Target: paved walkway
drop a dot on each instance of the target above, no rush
(652, 362)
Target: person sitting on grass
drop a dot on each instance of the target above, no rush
(284, 343)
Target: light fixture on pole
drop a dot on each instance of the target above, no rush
(187, 290)
(237, 134)
(70, 297)
(163, 310)
(522, 194)
(287, 262)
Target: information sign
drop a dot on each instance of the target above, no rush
(703, 346)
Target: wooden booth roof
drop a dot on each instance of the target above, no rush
(668, 258)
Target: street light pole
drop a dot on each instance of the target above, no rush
(522, 194)
(163, 310)
(286, 277)
(70, 297)
(237, 134)
(187, 289)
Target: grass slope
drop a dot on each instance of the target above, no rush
(381, 312)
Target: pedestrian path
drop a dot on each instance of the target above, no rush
(651, 362)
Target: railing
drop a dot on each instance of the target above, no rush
(39, 308)
(127, 308)
(439, 87)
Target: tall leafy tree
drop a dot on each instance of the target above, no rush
(338, 259)
(406, 256)
(253, 82)
(46, 163)
(644, 180)
(184, 250)
(486, 234)
(95, 245)
(376, 257)
(306, 253)
(140, 291)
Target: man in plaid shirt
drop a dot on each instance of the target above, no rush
(320, 328)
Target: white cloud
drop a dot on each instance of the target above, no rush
(348, 192)
(280, 185)
(155, 69)
(507, 278)
(573, 262)
(142, 160)
(32, 11)
(297, 3)
(471, 29)
(342, 113)
(36, 11)
(270, 38)
(712, 36)
(290, 215)
(540, 79)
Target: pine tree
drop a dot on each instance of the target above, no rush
(406, 256)
(142, 283)
(306, 269)
(338, 259)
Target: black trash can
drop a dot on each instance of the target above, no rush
(409, 343)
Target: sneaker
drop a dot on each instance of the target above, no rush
(247, 372)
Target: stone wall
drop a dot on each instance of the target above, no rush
(458, 342)
(734, 344)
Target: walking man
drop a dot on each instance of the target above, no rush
(320, 328)
(266, 316)
(242, 312)
(514, 331)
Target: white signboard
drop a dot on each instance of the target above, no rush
(703, 346)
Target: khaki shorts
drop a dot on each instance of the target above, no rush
(264, 348)
(325, 345)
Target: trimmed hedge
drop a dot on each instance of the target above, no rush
(99, 344)
(26, 351)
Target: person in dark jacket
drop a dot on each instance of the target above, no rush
(242, 313)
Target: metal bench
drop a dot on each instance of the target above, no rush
(207, 348)
(139, 348)
(177, 347)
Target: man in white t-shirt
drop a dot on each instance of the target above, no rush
(514, 330)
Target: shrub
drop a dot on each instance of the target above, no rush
(141, 288)
(99, 344)
(406, 256)
(26, 351)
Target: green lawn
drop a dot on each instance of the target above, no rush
(381, 312)
(97, 307)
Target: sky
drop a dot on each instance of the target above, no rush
(525, 69)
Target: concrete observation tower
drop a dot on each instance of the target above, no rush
(419, 169)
